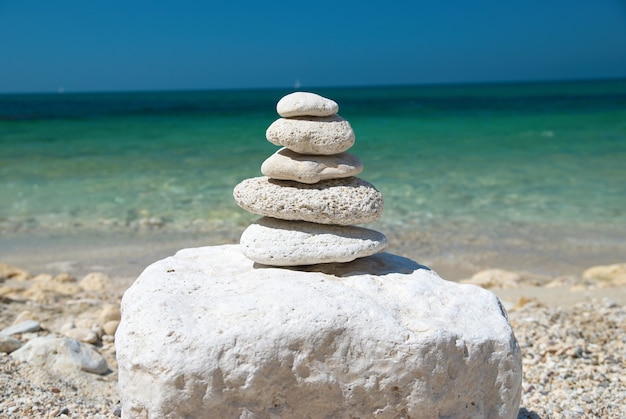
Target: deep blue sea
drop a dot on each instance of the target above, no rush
(499, 167)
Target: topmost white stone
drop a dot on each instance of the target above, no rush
(306, 104)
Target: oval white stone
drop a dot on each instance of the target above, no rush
(334, 201)
(306, 104)
(286, 164)
(291, 243)
(312, 135)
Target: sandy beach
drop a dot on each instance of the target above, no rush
(570, 327)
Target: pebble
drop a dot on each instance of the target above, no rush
(109, 313)
(572, 358)
(335, 201)
(63, 284)
(306, 104)
(82, 334)
(95, 281)
(309, 168)
(9, 344)
(290, 243)
(110, 327)
(62, 354)
(494, 278)
(23, 316)
(24, 327)
(311, 135)
(551, 377)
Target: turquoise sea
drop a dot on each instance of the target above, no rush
(524, 174)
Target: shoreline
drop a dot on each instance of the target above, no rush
(455, 250)
(123, 255)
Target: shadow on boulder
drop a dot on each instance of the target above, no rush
(378, 264)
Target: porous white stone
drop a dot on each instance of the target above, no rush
(312, 135)
(306, 104)
(334, 201)
(286, 164)
(271, 241)
(207, 334)
(61, 354)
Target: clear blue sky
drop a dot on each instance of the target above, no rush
(96, 45)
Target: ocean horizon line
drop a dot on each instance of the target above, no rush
(63, 91)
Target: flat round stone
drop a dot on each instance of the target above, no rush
(312, 135)
(310, 168)
(291, 243)
(334, 201)
(306, 104)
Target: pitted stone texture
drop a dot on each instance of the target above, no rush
(290, 243)
(310, 168)
(335, 201)
(207, 334)
(306, 104)
(312, 135)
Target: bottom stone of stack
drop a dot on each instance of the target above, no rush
(206, 334)
(275, 242)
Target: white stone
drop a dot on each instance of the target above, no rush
(207, 334)
(24, 327)
(61, 354)
(334, 201)
(312, 135)
(290, 243)
(109, 312)
(8, 344)
(110, 327)
(310, 168)
(82, 334)
(306, 104)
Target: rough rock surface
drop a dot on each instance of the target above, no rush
(306, 104)
(312, 135)
(310, 168)
(206, 334)
(290, 243)
(334, 201)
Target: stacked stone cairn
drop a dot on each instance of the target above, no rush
(309, 196)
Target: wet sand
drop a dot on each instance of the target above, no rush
(455, 252)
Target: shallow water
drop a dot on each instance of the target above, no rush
(526, 171)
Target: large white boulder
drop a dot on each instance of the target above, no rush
(206, 333)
